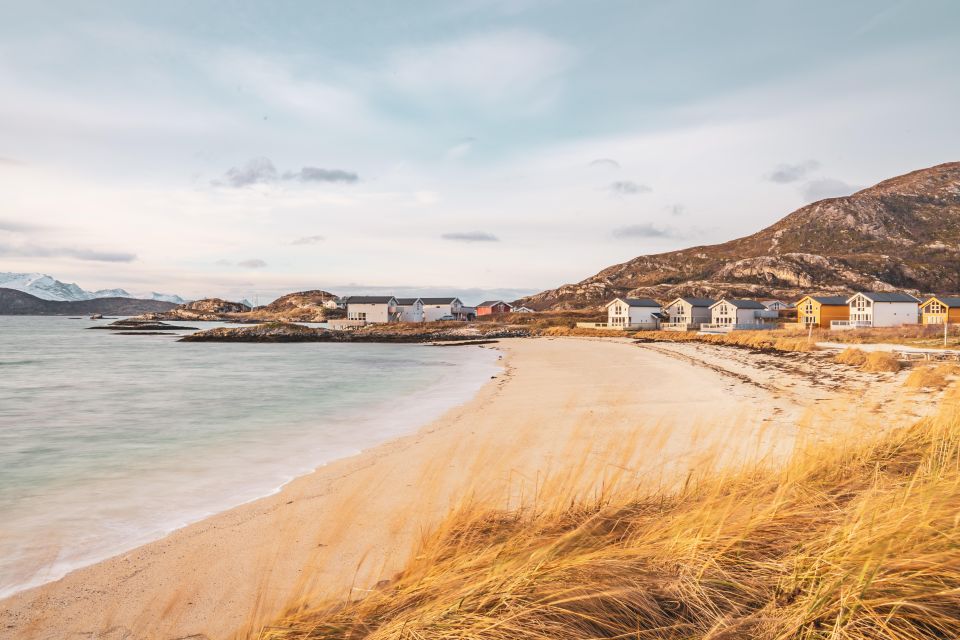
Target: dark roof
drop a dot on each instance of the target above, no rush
(829, 300)
(698, 302)
(406, 302)
(637, 302)
(742, 304)
(884, 296)
(490, 303)
(950, 301)
(369, 299)
(438, 300)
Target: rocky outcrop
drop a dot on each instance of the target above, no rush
(419, 333)
(903, 233)
(302, 306)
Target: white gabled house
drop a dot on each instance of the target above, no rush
(411, 309)
(633, 313)
(372, 309)
(436, 308)
(522, 309)
(687, 314)
(729, 314)
(880, 309)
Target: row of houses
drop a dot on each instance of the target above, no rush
(860, 310)
(875, 309)
(363, 310)
(688, 314)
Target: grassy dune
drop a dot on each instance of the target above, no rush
(856, 539)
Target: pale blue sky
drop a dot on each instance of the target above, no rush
(240, 148)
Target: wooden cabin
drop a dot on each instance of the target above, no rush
(940, 309)
(820, 311)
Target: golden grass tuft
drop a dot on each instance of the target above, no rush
(931, 376)
(852, 356)
(880, 361)
(849, 540)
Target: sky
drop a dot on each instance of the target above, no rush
(482, 148)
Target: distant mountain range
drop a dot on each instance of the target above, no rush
(48, 288)
(18, 303)
(903, 233)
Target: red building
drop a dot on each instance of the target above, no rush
(491, 307)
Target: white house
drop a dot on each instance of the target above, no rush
(686, 314)
(373, 309)
(436, 308)
(633, 313)
(727, 315)
(522, 309)
(880, 309)
(776, 305)
(411, 309)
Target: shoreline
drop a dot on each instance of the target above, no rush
(433, 400)
(345, 527)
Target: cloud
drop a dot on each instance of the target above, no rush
(307, 240)
(256, 171)
(604, 162)
(628, 188)
(33, 251)
(10, 162)
(16, 227)
(827, 188)
(786, 173)
(262, 171)
(517, 69)
(252, 263)
(675, 209)
(642, 230)
(223, 263)
(460, 149)
(470, 236)
(315, 174)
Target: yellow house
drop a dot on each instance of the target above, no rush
(819, 311)
(940, 309)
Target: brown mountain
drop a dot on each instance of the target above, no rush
(302, 306)
(903, 233)
(18, 303)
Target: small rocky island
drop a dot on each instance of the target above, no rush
(418, 333)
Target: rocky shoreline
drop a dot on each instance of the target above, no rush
(290, 332)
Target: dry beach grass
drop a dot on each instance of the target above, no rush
(858, 539)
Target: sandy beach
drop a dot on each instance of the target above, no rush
(572, 413)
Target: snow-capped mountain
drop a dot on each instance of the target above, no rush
(48, 288)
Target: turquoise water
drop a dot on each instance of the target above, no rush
(109, 441)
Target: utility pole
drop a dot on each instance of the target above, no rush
(945, 324)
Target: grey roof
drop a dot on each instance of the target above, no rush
(829, 300)
(369, 299)
(406, 302)
(438, 300)
(637, 302)
(698, 302)
(490, 303)
(884, 296)
(950, 301)
(741, 304)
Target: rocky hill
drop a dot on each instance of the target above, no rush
(302, 306)
(903, 233)
(18, 303)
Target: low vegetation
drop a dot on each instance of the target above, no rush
(854, 540)
(871, 362)
(758, 340)
(930, 336)
(931, 376)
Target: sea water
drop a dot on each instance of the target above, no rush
(109, 441)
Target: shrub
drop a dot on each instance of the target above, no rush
(851, 356)
(880, 361)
